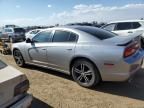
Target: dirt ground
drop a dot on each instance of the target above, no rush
(52, 89)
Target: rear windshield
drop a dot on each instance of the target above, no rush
(17, 30)
(2, 64)
(98, 33)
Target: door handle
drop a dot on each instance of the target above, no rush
(130, 32)
(43, 49)
(69, 49)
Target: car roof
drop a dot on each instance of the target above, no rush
(13, 28)
(72, 27)
(127, 21)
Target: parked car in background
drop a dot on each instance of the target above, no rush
(13, 88)
(13, 34)
(89, 54)
(32, 32)
(126, 28)
(10, 26)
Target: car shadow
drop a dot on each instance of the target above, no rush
(49, 71)
(36, 103)
(131, 89)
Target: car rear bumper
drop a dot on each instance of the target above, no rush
(23, 103)
(124, 73)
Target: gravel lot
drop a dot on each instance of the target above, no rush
(52, 89)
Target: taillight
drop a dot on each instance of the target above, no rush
(21, 88)
(131, 50)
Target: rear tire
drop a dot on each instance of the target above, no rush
(85, 73)
(18, 58)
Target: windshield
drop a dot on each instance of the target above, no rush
(8, 30)
(17, 30)
(35, 32)
(98, 33)
(2, 64)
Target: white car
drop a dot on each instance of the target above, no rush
(126, 28)
(32, 32)
(13, 88)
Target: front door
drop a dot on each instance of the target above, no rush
(37, 50)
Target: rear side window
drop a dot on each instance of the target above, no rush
(73, 37)
(124, 26)
(136, 25)
(19, 30)
(64, 36)
(109, 27)
(98, 33)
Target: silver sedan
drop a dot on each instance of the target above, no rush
(89, 54)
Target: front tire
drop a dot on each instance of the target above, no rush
(18, 58)
(85, 73)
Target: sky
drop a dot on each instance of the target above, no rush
(51, 12)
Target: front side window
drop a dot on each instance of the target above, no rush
(43, 37)
(109, 27)
(124, 26)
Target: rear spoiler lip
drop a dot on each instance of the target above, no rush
(125, 44)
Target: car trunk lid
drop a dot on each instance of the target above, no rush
(9, 78)
(123, 40)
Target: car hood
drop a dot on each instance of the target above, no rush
(117, 40)
(9, 78)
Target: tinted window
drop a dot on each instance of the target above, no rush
(18, 30)
(109, 27)
(42, 37)
(2, 64)
(99, 33)
(124, 26)
(61, 36)
(73, 37)
(136, 25)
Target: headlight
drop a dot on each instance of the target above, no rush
(21, 88)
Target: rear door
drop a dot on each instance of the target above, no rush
(62, 49)
(137, 28)
(123, 29)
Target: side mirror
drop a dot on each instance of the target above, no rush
(28, 40)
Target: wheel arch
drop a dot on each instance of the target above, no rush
(14, 50)
(84, 58)
(20, 52)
